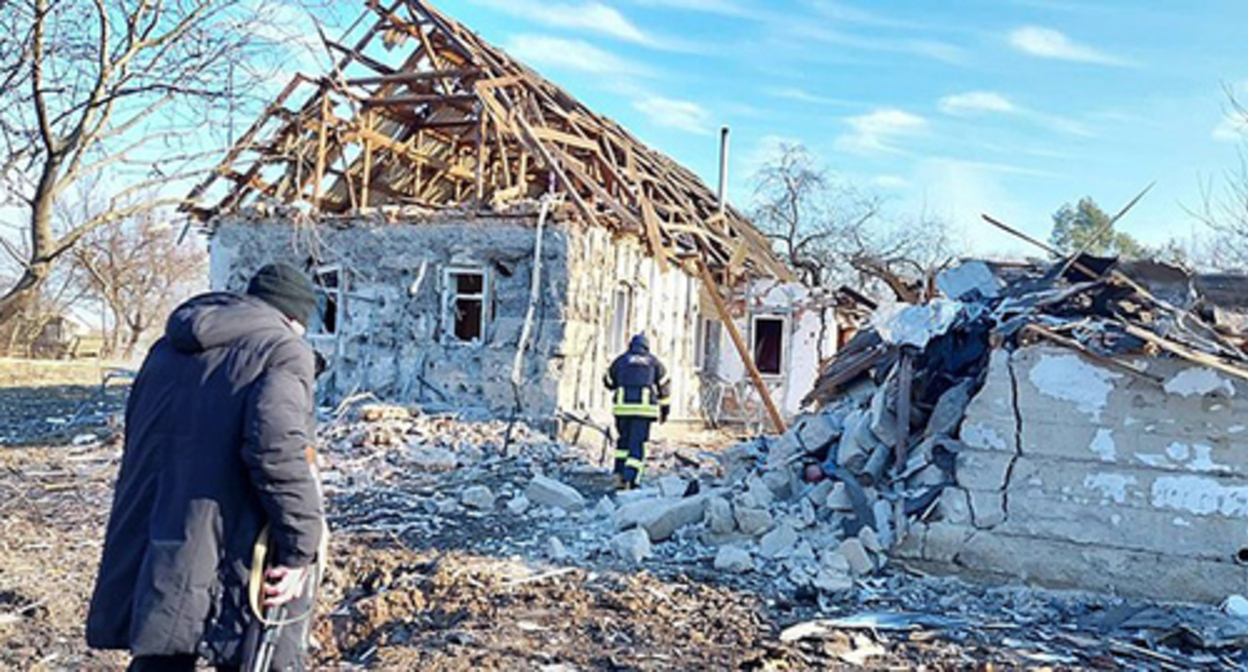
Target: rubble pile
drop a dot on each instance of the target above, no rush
(826, 502)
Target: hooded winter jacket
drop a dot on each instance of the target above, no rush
(219, 426)
(640, 382)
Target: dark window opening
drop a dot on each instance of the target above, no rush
(769, 345)
(328, 283)
(467, 304)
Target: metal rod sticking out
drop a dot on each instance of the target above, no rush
(723, 169)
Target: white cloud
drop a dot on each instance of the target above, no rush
(577, 55)
(804, 96)
(724, 7)
(877, 131)
(976, 102)
(1048, 43)
(1231, 129)
(590, 16)
(681, 115)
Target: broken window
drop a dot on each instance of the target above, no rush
(768, 337)
(621, 320)
(466, 302)
(329, 284)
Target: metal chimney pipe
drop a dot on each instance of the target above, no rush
(723, 169)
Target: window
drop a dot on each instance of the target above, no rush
(329, 284)
(621, 320)
(465, 303)
(768, 336)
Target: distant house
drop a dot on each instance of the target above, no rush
(483, 240)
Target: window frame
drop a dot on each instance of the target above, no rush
(451, 298)
(782, 365)
(316, 331)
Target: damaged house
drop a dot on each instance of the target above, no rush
(481, 240)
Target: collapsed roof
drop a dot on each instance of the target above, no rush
(422, 112)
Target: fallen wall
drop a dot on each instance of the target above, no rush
(392, 336)
(1079, 476)
(662, 302)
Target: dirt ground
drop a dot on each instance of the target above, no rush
(449, 588)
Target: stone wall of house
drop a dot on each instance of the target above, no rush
(395, 332)
(1076, 475)
(604, 273)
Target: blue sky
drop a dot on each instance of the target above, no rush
(1011, 107)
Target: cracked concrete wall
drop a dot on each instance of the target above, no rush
(393, 340)
(1079, 476)
(664, 305)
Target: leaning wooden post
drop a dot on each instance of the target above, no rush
(776, 420)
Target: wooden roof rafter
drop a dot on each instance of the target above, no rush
(420, 111)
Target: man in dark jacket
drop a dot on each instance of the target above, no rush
(219, 432)
(642, 395)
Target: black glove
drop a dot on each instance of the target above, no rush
(664, 411)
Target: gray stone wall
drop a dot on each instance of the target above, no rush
(1079, 476)
(393, 338)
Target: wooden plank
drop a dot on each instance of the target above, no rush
(410, 77)
(566, 139)
(725, 318)
(1083, 350)
(653, 233)
(419, 99)
(321, 140)
(1190, 355)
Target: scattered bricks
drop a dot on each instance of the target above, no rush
(545, 491)
(518, 505)
(886, 513)
(477, 497)
(672, 486)
(633, 513)
(734, 559)
(814, 431)
(805, 515)
(632, 545)
(954, 506)
(753, 521)
(987, 508)
(835, 562)
(804, 551)
(626, 497)
(944, 541)
(781, 482)
(860, 563)
(719, 516)
(818, 495)
(856, 442)
(778, 543)
(757, 493)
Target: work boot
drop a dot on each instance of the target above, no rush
(621, 484)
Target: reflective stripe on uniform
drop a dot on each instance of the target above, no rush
(665, 401)
(621, 454)
(636, 410)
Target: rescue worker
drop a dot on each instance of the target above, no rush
(219, 429)
(642, 395)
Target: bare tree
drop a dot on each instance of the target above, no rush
(830, 232)
(1224, 204)
(125, 92)
(140, 272)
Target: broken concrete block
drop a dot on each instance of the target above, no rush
(805, 515)
(632, 545)
(808, 434)
(734, 559)
(671, 515)
(835, 561)
(719, 516)
(518, 505)
(758, 493)
(987, 508)
(990, 422)
(833, 582)
(860, 562)
(949, 410)
(672, 486)
(477, 497)
(954, 506)
(605, 507)
(886, 513)
(855, 445)
(626, 497)
(545, 491)
(882, 416)
(753, 521)
(838, 499)
(804, 551)
(818, 495)
(944, 541)
(778, 543)
(979, 470)
(555, 550)
(869, 540)
(781, 482)
(433, 460)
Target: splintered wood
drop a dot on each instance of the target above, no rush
(422, 112)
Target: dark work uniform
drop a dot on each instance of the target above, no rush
(642, 389)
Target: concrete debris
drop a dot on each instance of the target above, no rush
(555, 549)
(778, 543)
(719, 516)
(672, 486)
(734, 559)
(518, 505)
(753, 522)
(477, 497)
(545, 491)
(855, 553)
(632, 545)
